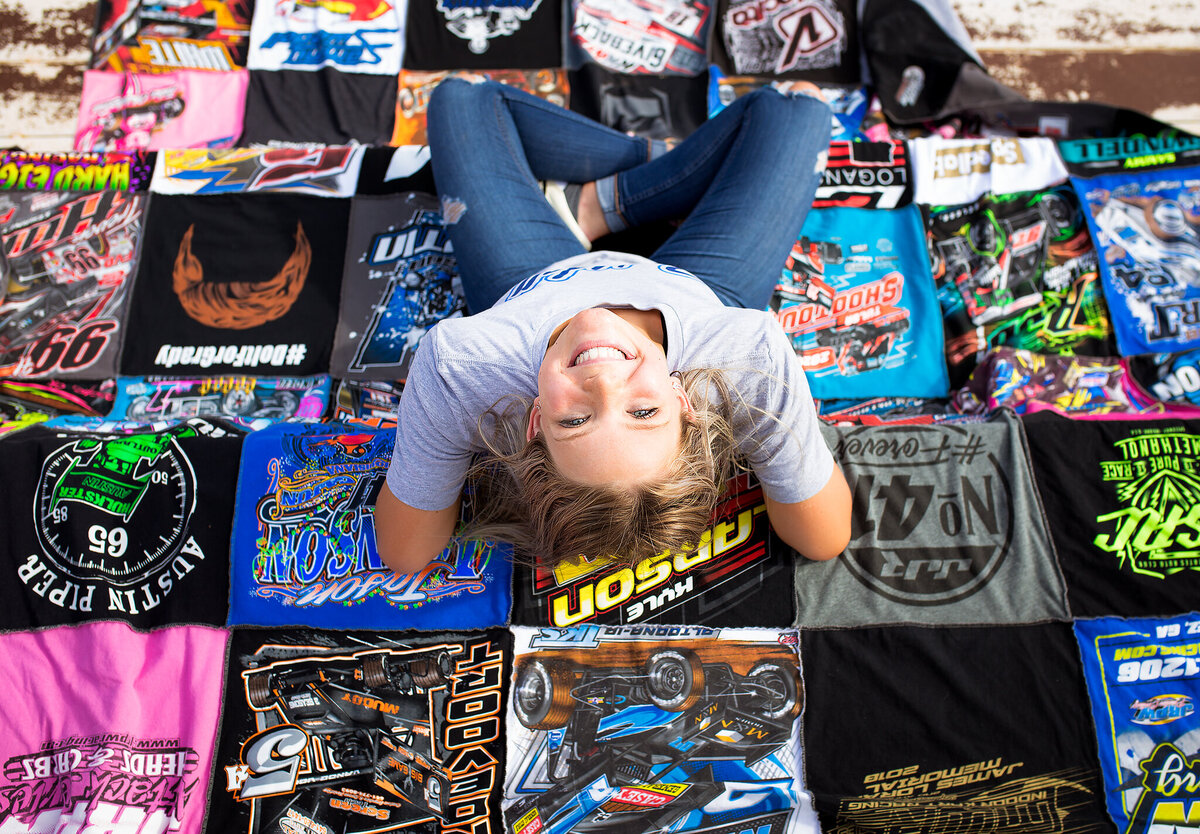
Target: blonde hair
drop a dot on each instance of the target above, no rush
(516, 494)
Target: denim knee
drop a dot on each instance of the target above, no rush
(459, 98)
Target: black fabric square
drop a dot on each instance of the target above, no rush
(950, 729)
(451, 34)
(326, 106)
(1122, 500)
(110, 526)
(238, 283)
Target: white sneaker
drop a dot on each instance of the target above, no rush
(560, 201)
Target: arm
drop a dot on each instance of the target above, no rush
(408, 539)
(818, 527)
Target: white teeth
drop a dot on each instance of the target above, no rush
(599, 353)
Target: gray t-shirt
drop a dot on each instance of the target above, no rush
(464, 366)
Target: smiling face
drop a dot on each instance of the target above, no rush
(608, 408)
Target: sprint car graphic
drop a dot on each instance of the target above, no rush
(995, 259)
(862, 343)
(371, 713)
(1153, 231)
(671, 745)
(803, 279)
(181, 400)
(30, 313)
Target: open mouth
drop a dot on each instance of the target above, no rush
(602, 353)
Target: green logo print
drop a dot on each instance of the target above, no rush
(1157, 478)
(109, 474)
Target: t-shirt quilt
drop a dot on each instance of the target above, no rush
(127, 525)
(1144, 681)
(655, 728)
(640, 37)
(361, 732)
(400, 279)
(1121, 499)
(237, 284)
(97, 737)
(739, 575)
(1147, 231)
(126, 111)
(304, 553)
(356, 36)
(946, 529)
(861, 313)
(70, 263)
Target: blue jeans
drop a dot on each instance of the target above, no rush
(744, 181)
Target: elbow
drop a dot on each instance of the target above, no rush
(831, 546)
(402, 556)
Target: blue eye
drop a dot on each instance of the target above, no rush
(572, 422)
(644, 413)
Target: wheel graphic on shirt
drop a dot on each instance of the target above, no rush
(114, 509)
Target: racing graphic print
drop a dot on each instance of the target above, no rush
(362, 733)
(112, 750)
(1016, 270)
(1147, 231)
(357, 36)
(304, 541)
(401, 279)
(1144, 680)
(1171, 377)
(372, 403)
(1155, 473)
(1111, 155)
(854, 308)
(118, 530)
(773, 38)
(68, 260)
(736, 576)
(1120, 499)
(72, 171)
(146, 36)
(654, 728)
(325, 171)
(944, 530)
(166, 399)
(148, 111)
(865, 175)
(642, 37)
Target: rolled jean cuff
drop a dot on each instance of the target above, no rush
(606, 193)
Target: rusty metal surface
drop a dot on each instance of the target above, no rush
(44, 47)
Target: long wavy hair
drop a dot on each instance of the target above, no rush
(516, 494)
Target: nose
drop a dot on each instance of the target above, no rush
(605, 379)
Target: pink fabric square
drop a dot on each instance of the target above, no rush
(127, 111)
(109, 727)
